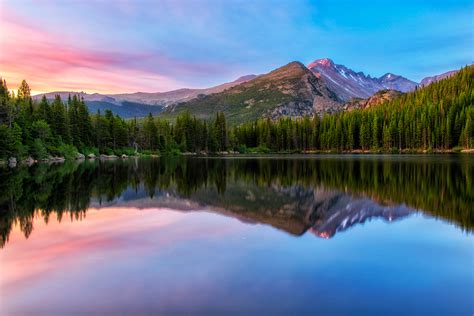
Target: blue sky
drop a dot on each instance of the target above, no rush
(125, 46)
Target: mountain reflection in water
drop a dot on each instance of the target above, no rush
(324, 194)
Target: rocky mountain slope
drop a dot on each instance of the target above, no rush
(348, 84)
(291, 90)
(378, 98)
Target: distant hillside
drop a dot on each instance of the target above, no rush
(429, 80)
(125, 109)
(140, 103)
(86, 96)
(102, 102)
(348, 84)
(291, 90)
(171, 97)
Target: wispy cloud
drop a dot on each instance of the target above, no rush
(52, 60)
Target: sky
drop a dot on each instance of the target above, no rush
(154, 46)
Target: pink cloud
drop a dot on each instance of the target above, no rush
(49, 61)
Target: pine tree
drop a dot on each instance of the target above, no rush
(73, 120)
(375, 131)
(42, 131)
(24, 91)
(220, 128)
(150, 133)
(386, 137)
(101, 132)
(59, 122)
(84, 124)
(44, 110)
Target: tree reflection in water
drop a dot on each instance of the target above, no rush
(324, 194)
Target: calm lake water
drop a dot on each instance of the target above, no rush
(322, 235)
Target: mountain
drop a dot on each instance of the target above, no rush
(395, 82)
(86, 96)
(124, 109)
(140, 103)
(291, 90)
(429, 80)
(170, 97)
(102, 102)
(348, 84)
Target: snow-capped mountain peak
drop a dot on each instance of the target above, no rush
(389, 76)
(348, 84)
(324, 62)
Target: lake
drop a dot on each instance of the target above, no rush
(320, 235)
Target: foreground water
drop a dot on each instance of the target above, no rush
(322, 235)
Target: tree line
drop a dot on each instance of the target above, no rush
(437, 117)
(65, 127)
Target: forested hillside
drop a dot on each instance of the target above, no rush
(437, 117)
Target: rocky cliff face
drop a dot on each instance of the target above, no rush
(311, 96)
(348, 84)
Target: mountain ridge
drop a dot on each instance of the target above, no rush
(330, 88)
(348, 84)
(179, 95)
(161, 98)
(431, 79)
(291, 90)
(141, 103)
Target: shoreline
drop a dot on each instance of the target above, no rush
(29, 161)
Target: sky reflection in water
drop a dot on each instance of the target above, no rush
(136, 255)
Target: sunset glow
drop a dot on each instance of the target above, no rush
(49, 66)
(129, 46)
